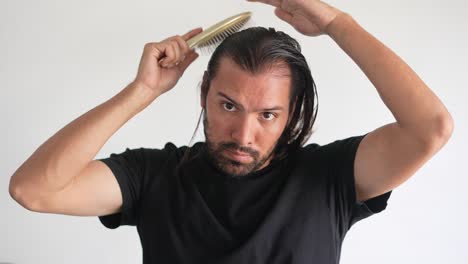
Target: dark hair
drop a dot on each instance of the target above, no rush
(254, 50)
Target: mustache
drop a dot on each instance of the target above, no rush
(235, 147)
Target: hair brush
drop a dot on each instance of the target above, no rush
(220, 31)
(209, 38)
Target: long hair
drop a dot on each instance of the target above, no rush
(254, 50)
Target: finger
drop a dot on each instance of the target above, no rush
(183, 46)
(169, 54)
(181, 50)
(176, 49)
(268, 2)
(283, 15)
(192, 33)
(192, 56)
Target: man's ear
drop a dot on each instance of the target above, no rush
(204, 90)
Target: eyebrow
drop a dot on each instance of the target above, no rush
(274, 108)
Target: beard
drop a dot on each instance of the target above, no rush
(229, 166)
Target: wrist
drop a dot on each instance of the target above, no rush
(140, 96)
(335, 27)
(321, 14)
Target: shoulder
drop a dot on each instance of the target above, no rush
(339, 147)
(169, 149)
(153, 159)
(172, 151)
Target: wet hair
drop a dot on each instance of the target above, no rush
(256, 50)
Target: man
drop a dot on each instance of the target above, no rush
(252, 193)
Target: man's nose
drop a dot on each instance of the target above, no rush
(243, 131)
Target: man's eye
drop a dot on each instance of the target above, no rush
(229, 107)
(268, 116)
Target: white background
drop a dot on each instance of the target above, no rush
(59, 59)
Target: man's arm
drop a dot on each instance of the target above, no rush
(54, 165)
(391, 154)
(61, 175)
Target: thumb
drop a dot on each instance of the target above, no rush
(192, 56)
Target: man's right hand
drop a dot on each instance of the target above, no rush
(163, 63)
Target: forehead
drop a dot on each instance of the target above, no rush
(267, 88)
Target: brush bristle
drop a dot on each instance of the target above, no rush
(208, 47)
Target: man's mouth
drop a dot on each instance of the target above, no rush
(239, 156)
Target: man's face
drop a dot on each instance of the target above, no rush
(245, 115)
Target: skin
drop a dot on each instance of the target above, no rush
(245, 114)
(61, 175)
(391, 154)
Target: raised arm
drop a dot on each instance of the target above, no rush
(61, 175)
(391, 154)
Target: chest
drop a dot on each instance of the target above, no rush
(281, 222)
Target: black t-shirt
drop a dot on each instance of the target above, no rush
(294, 211)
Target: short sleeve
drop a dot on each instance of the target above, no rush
(342, 154)
(128, 168)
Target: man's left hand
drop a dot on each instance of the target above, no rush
(309, 17)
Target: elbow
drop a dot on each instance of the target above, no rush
(18, 194)
(445, 128)
(14, 190)
(442, 131)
